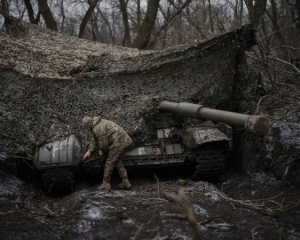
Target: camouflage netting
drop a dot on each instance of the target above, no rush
(43, 99)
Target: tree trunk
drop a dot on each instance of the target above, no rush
(168, 21)
(4, 11)
(47, 15)
(197, 26)
(86, 18)
(263, 25)
(164, 43)
(256, 11)
(145, 30)
(138, 14)
(298, 13)
(236, 11)
(63, 15)
(30, 11)
(204, 11)
(274, 20)
(127, 38)
(249, 4)
(241, 12)
(210, 17)
(108, 25)
(93, 20)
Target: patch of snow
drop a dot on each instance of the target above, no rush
(14, 187)
(293, 235)
(220, 226)
(92, 212)
(128, 221)
(203, 228)
(176, 236)
(115, 193)
(199, 210)
(288, 134)
(263, 178)
(83, 226)
(210, 191)
(3, 156)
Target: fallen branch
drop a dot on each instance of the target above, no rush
(286, 47)
(182, 198)
(175, 215)
(257, 108)
(6, 213)
(138, 232)
(287, 63)
(258, 204)
(157, 185)
(253, 230)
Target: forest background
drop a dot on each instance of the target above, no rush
(158, 24)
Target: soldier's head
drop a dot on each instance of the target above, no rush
(87, 123)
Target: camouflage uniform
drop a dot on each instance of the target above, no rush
(110, 137)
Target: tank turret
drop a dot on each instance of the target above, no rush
(253, 123)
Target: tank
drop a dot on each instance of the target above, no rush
(202, 137)
(57, 161)
(253, 123)
(180, 134)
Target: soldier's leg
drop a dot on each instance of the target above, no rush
(111, 162)
(123, 174)
(121, 170)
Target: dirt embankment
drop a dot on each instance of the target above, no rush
(255, 206)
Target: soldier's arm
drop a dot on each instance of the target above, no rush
(92, 145)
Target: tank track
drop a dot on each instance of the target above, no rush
(58, 177)
(210, 162)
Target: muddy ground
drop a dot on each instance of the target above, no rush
(232, 206)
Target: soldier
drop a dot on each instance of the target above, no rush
(110, 137)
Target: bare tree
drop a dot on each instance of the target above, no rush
(32, 19)
(241, 12)
(196, 25)
(210, 17)
(274, 20)
(107, 23)
(256, 11)
(86, 17)
(138, 14)
(47, 15)
(297, 4)
(127, 38)
(63, 15)
(167, 22)
(176, 21)
(144, 33)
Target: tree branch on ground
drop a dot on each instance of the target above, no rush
(183, 199)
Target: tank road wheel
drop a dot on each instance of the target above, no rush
(209, 164)
(61, 177)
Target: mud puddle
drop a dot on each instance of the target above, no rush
(239, 206)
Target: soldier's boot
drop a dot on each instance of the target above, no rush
(104, 186)
(125, 184)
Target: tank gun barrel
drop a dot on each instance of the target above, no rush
(253, 123)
